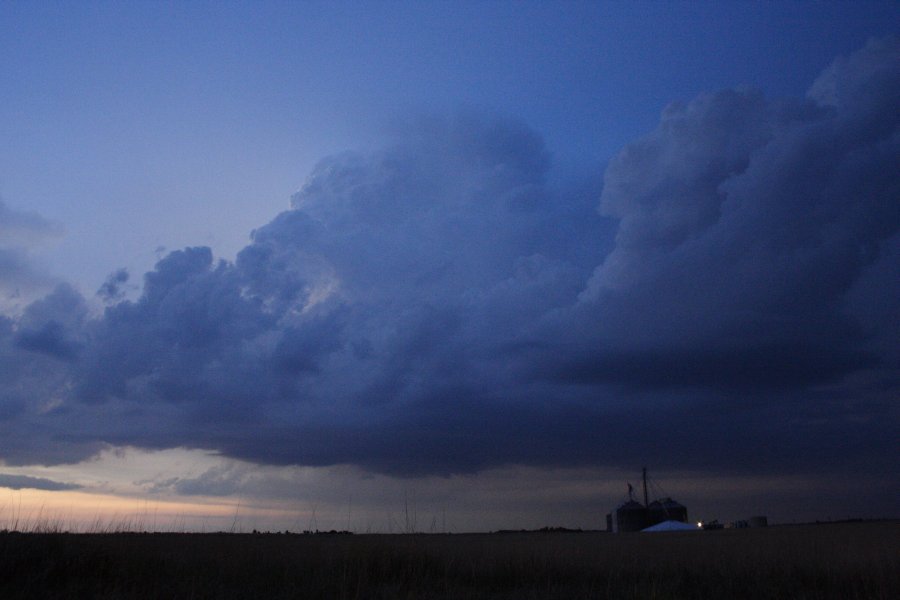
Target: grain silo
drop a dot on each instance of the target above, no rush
(666, 509)
(631, 516)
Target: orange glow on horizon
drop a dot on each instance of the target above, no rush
(38, 510)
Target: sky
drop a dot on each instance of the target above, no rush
(447, 266)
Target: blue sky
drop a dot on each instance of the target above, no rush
(119, 113)
(487, 238)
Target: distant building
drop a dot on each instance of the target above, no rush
(758, 521)
(632, 515)
(666, 509)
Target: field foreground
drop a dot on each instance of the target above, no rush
(833, 561)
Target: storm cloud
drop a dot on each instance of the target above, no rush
(21, 482)
(111, 290)
(437, 307)
(743, 225)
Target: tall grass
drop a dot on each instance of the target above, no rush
(824, 562)
(14, 519)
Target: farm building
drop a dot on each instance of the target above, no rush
(632, 515)
(666, 509)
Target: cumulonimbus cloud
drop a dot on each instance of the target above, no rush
(436, 307)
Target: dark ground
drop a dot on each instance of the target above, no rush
(829, 561)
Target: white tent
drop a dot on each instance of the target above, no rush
(672, 526)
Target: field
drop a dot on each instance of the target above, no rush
(828, 561)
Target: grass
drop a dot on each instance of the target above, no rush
(833, 561)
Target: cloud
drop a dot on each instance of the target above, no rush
(437, 307)
(743, 225)
(16, 272)
(21, 482)
(111, 290)
(20, 227)
(52, 324)
(20, 277)
(220, 480)
(237, 479)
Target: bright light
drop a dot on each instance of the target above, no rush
(699, 524)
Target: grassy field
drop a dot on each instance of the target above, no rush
(830, 561)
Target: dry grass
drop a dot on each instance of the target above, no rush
(836, 561)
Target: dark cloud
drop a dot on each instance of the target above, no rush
(111, 290)
(744, 224)
(436, 307)
(21, 482)
(225, 480)
(49, 339)
(52, 325)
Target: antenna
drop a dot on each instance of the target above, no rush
(646, 504)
